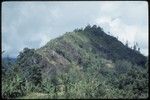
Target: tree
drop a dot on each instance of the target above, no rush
(88, 27)
(134, 47)
(13, 84)
(126, 43)
(29, 63)
(138, 49)
(94, 26)
(76, 30)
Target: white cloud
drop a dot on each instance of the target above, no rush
(32, 24)
(127, 20)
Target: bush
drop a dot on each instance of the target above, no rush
(13, 87)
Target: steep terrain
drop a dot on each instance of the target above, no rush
(85, 63)
(82, 46)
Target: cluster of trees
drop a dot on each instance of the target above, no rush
(96, 29)
(95, 81)
(135, 46)
(25, 74)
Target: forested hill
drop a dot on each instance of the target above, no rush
(92, 40)
(85, 63)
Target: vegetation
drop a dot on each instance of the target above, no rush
(85, 63)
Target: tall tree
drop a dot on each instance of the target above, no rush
(127, 43)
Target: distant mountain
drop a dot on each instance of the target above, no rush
(8, 61)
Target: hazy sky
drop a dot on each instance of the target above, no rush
(33, 24)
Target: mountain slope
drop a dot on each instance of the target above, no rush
(77, 46)
(86, 63)
(97, 56)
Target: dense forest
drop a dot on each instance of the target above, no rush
(86, 63)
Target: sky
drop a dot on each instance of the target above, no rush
(33, 24)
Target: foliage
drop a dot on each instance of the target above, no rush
(13, 85)
(29, 63)
(85, 63)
